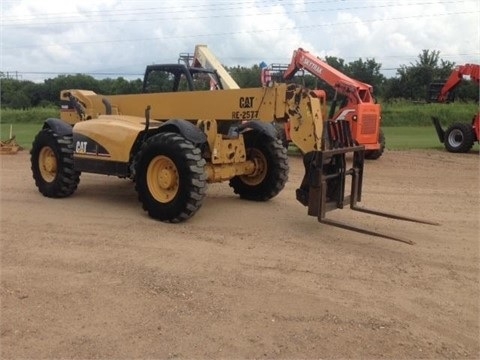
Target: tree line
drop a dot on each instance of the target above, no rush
(410, 83)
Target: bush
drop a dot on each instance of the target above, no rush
(29, 116)
(405, 113)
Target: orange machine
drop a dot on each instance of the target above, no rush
(459, 137)
(358, 108)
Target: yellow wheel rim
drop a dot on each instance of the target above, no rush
(47, 163)
(162, 179)
(261, 167)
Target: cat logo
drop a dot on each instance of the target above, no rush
(246, 102)
(81, 147)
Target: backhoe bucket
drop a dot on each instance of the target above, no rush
(323, 186)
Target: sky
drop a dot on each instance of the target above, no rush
(113, 38)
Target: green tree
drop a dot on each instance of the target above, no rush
(20, 101)
(64, 82)
(15, 94)
(428, 59)
(337, 63)
(35, 93)
(367, 71)
(413, 81)
(246, 77)
(122, 86)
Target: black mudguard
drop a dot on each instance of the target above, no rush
(188, 130)
(60, 127)
(265, 128)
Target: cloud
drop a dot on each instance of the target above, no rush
(43, 39)
(395, 33)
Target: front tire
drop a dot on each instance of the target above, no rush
(282, 134)
(459, 138)
(271, 174)
(52, 167)
(170, 177)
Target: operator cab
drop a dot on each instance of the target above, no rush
(178, 77)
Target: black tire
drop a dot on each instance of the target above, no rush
(459, 138)
(52, 167)
(375, 154)
(272, 163)
(281, 134)
(170, 177)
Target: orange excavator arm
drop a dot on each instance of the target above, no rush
(357, 91)
(455, 78)
(360, 109)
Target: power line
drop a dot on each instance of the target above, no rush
(166, 12)
(238, 32)
(18, 74)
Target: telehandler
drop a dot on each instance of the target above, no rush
(358, 106)
(202, 57)
(171, 144)
(460, 136)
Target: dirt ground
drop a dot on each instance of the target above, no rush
(91, 276)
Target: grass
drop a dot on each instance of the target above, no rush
(397, 137)
(404, 138)
(394, 113)
(408, 138)
(24, 133)
(406, 125)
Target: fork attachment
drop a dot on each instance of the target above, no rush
(324, 182)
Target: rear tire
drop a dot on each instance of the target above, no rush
(170, 177)
(271, 159)
(52, 167)
(459, 138)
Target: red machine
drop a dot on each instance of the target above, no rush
(459, 137)
(358, 107)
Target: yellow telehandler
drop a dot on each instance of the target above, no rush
(174, 141)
